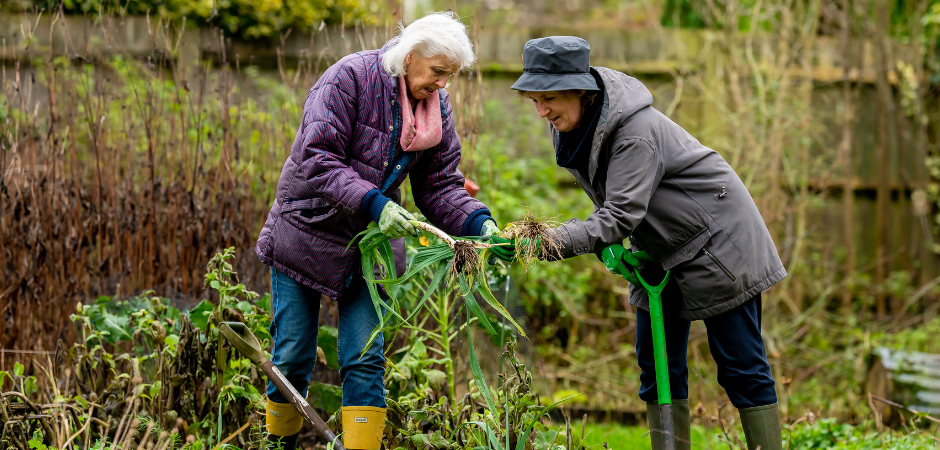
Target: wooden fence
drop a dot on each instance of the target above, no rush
(657, 56)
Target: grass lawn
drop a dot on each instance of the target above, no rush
(824, 434)
(633, 437)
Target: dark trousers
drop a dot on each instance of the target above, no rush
(736, 345)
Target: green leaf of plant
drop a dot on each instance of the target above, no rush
(524, 437)
(326, 339)
(420, 440)
(437, 441)
(439, 275)
(484, 291)
(478, 373)
(436, 379)
(111, 326)
(199, 315)
(265, 304)
(473, 306)
(29, 386)
(171, 341)
(325, 397)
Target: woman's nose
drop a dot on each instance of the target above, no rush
(441, 82)
(543, 111)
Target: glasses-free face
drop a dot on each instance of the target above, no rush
(563, 109)
(424, 76)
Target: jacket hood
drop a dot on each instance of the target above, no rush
(623, 97)
(624, 92)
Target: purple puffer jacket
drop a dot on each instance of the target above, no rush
(344, 148)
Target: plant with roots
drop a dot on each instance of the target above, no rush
(453, 261)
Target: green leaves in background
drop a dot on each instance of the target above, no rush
(326, 340)
(199, 315)
(245, 18)
(325, 397)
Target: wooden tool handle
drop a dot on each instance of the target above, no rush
(300, 404)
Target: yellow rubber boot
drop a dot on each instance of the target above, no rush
(363, 427)
(283, 423)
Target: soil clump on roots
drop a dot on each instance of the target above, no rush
(466, 259)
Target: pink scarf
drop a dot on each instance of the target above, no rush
(421, 129)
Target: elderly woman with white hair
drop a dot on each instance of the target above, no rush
(372, 119)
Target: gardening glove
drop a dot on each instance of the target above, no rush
(524, 243)
(508, 252)
(612, 256)
(489, 230)
(503, 252)
(395, 221)
(616, 257)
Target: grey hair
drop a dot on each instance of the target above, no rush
(435, 34)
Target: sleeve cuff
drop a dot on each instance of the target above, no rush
(373, 203)
(573, 239)
(474, 223)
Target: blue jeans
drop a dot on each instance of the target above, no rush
(735, 343)
(294, 329)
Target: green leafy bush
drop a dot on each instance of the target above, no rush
(829, 434)
(246, 18)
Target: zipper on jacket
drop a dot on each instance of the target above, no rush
(720, 265)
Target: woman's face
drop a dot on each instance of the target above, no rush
(562, 109)
(424, 76)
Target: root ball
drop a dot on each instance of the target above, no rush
(466, 259)
(534, 239)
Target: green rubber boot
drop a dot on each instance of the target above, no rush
(680, 419)
(762, 427)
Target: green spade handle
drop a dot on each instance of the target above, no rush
(630, 261)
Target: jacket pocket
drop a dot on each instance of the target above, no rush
(719, 264)
(686, 251)
(714, 275)
(307, 211)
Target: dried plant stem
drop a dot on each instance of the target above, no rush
(91, 411)
(236, 433)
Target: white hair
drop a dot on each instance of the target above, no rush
(436, 34)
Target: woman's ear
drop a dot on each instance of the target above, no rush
(585, 99)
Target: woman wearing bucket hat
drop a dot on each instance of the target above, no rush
(371, 119)
(679, 201)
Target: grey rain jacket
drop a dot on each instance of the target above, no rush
(652, 182)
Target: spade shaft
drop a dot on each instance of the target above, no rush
(237, 334)
(661, 363)
(663, 391)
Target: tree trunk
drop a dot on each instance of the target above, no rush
(845, 159)
(884, 141)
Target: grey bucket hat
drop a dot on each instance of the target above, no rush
(556, 63)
